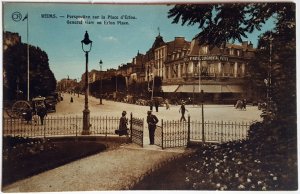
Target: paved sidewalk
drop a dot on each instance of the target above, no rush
(117, 169)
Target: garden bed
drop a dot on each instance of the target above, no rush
(24, 157)
(230, 166)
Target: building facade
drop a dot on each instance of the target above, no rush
(186, 68)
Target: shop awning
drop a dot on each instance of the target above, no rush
(235, 88)
(210, 89)
(169, 88)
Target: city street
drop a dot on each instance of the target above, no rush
(111, 108)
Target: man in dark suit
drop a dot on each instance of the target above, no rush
(152, 120)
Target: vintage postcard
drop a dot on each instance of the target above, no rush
(113, 96)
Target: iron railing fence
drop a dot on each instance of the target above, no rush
(218, 131)
(169, 134)
(175, 134)
(158, 136)
(137, 130)
(104, 125)
(178, 134)
(59, 126)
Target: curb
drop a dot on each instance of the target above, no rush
(157, 167)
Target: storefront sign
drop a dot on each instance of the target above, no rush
(208, 58)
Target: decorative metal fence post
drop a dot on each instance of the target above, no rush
(162, 134)
(130, 127)
(44, 132)
(189, 131)
(106, 127)
(222, 132)
(143, 134)
(76, 126)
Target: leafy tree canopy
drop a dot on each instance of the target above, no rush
(42, 79)
(276, 54)
(224, 22)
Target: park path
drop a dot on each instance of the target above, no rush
(116, 169)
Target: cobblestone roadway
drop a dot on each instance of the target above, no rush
(111, 108)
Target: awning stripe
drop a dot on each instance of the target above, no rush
(169, 88)
(210, 88)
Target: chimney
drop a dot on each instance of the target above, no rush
(245, 43)
(251, 45)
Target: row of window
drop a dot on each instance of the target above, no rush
(209, 69)
(205, 50)
(160, 53)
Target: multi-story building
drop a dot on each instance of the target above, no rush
(138, 68)
(175, 68)
(67, 85)
(154, 59)
(186, 68)
(219, 72)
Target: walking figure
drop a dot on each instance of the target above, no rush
(42, 112)
(151, 104)
(28, 115)
(152, 120)
(156, 103)
(244, 103)
(167, 104)
(71, 99)
(182, 111)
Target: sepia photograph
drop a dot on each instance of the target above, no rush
(149, 96)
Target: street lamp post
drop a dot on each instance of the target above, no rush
(78, 86)
(201, 93)
(148, 77)
(152, 85)
(116, 92)
(202, 111)
(268, 81)
(116, 83)
(86, 111)
(100, 64)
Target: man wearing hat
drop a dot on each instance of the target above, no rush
(152, 120)
(182, 109)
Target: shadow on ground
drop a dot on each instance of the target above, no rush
(25, 157)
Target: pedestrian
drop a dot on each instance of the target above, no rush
(156, 103)
(151, 104)
(167, 104)
(190, 100)
(28, 115)
(123, 129)
(244, 103)
(152, 120)
(182, 110)
(71, 100)
(42, 112)
(35, 118)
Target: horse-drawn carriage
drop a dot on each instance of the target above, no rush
(21, 108)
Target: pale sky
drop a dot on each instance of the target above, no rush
(113, 44)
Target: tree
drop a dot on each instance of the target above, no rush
(275, 56)
(42, 80)
(221, 23)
